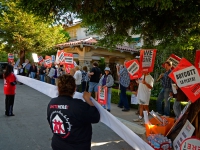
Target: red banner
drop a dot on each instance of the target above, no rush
(10, 57)
(186, 76)
(147, 59)
(190, 144)
(68, 61)
(174, 59)
(197, 60)
(47, 61)
(133, 68)
(102, 95)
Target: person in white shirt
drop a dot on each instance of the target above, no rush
(78, 78)
(144, 93)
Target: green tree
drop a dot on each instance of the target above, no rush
(116, 20)
(22, 32)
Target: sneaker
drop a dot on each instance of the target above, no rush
(142, 123)
(158, 114)
(120, 106)
(137, 120)
(125, 109)
(108, 110)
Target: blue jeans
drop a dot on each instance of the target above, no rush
(93, 86)
(42, 77)
(123, 98)
(163, 95)
(33, 75)
(108, 100)
(52, 81)
(177, 108)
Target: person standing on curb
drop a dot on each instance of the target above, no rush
(95, 76)
(78, 78)
(166, 91)
(9, 89)
(124, 81)
(143, 94)
(107, 81)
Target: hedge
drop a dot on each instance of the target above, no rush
(152, 103)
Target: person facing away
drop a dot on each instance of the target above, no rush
(143, 94)
(166, 91)
(85, 79)
(107, 81)
(42, 72)
(95, 75)
(9, 89)
(78, 78)
(69, 118)
(124, 81)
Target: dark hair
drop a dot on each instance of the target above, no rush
(85, 68)
(95, 64)
(9, 70)
(66, 85)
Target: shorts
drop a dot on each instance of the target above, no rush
(93, 86)
(143, 102)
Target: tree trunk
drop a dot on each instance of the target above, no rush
(22, 56)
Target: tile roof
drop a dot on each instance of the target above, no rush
(92, 41)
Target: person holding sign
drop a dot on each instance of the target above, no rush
(107, 81)
(143, 94)
(124, 81)
(71, 119)
(166, 90)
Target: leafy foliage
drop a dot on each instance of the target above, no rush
(23, 31)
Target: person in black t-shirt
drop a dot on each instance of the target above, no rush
(95, 76)
(69, 118)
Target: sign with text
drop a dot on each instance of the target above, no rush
(102, 95)
(174, 59)
(69, 58)
(186, 76)
(147, 59)
(185, 132)
(53, 58)
(190, 144)
(133, 68)
(197, 60)
(10, 57)
(40, 59)
(48, 61)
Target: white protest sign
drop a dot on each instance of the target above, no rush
(69, 60)
(147, 58)
(61, 57)
(53, 58)
(187, 76)
(102, 94)
(35, 57)
(51, 72)
(133, 68)
(185, 132)
(134, 99)
(47, 61)
(190, 144)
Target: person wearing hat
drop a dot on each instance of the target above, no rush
(166, 91)
(107, 81)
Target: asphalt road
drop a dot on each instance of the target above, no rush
(29, 129)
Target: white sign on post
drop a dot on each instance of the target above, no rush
(185, 132)
(69, 60)
(47, 61)
(133, 68)
(147, 59)
(187, 76)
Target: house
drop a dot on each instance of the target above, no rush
(84, 49)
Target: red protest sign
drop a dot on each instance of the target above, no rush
(197, 60)
(60, 56)
(68, 67)
(147, 59)
(133, 68)
(102, 95)
(174, 59)
(68, 61)
(48, 61)
(186, 76)
(10, 57)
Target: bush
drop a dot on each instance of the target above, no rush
(152, 103)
